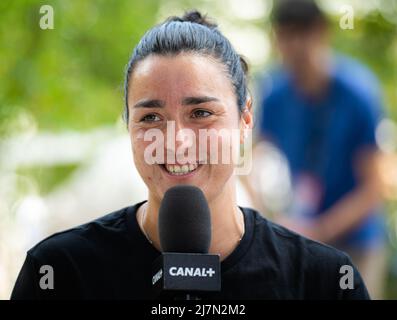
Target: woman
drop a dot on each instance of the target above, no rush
(184, 74)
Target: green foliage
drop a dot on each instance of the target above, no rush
(71, 76)
(374, 42)
(47, 177)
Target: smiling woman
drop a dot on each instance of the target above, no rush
(184, 72)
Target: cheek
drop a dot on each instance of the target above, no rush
(220, 150)
(144, 169)
(221, 140)
(138, 146)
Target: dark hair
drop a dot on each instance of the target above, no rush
(191, 33)
(302, 14)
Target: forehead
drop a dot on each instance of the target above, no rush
(182, 74)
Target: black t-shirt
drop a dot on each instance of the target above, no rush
(110, 258)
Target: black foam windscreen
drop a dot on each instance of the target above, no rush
(184, 220)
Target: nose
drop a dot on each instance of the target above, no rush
(179, 142)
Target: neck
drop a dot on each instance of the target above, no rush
(227, 221)
(313, 80)
(314, 86)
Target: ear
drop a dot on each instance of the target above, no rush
(246, 119)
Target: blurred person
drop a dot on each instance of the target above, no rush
(321, 110)
(184, 71)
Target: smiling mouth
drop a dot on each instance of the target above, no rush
(180, 170)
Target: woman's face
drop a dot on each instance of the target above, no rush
(185, 91)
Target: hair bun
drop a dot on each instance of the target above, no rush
(196, 17)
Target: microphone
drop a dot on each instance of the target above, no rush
(185, 269)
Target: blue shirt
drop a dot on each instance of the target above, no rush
(324, 137)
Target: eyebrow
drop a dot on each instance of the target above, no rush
(197, 100)
(149, 103)
(155, 103)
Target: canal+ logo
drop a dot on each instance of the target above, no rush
(191, 272)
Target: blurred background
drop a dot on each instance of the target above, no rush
(64, 150)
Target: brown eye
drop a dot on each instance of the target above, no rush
(150, 118)
(200, 113)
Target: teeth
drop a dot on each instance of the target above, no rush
(180, 170)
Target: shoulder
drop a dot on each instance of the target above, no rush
(355, 75)
(359, 85)
(288, 245)
(308, 268)
(83, 238)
